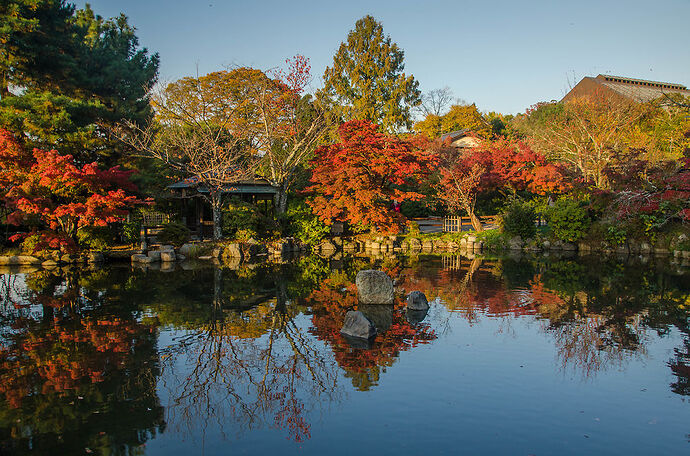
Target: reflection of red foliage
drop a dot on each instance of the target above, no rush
(62, 357)
(329, 306)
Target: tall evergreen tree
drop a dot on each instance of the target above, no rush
(69, 75)
(367, 81)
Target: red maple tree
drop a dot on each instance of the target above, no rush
(49, 191)
(357, 179)
(502, 164)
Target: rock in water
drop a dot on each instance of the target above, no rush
(417, 301)
(380, 315)
(374, 287)
(357, 325)
(415, 317)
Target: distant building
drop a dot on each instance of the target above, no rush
(462, 139)
(638, 90)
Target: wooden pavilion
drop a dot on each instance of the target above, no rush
(196, 211)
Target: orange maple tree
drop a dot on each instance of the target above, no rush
(357, 179)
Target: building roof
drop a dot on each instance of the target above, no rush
(454, 135)
(640, 90)
(257, 186)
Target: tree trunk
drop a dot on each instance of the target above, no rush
(476, 223)
(216, 204)
(281, 200)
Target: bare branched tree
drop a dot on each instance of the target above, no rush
(438, 101)
(197, 134)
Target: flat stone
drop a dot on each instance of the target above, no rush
(374, 287)
(141, 258)
(23, 260)
(417, 301)
(357, 325)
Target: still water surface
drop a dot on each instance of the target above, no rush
(516, 356)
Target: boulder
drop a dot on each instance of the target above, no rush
(168, 256)
(357, 325)
(67, 258)
(166, 247)
(233, 251)
(155, 255)
(417, 301)
(380, 316)
(180, 257)
(49, 264)
(186, 249)
(515, 243)
(374, 287)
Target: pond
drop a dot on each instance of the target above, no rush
(539, 355)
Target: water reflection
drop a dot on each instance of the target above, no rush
(206, 348)
(74, 361)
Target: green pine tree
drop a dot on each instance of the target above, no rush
(367, 81)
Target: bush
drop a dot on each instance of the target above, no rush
(32, 244)
(493, 239)
(303, 224)
(238, 216)
(413, 228)
(96, 237)
(245, 235)
(568, 219)
(518, 219)
(131, 231)
(173, 233)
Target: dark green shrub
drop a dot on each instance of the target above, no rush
(568, 219)
(173, 233)
(238, 215)
(131, 231)
(32, 244)
(303, 224)
(518, 219)
(96, 237)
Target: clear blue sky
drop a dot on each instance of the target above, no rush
(502, 55)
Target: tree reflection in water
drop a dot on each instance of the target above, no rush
(260, 346)
(73, 361)
(249, 362)
(599, 313)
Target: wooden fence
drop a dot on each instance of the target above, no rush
(457, 223)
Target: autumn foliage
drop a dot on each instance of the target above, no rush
(503, 165)
(357, 179)
(51, 192)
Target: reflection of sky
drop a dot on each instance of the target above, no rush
(503, 55)
(490, 387)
